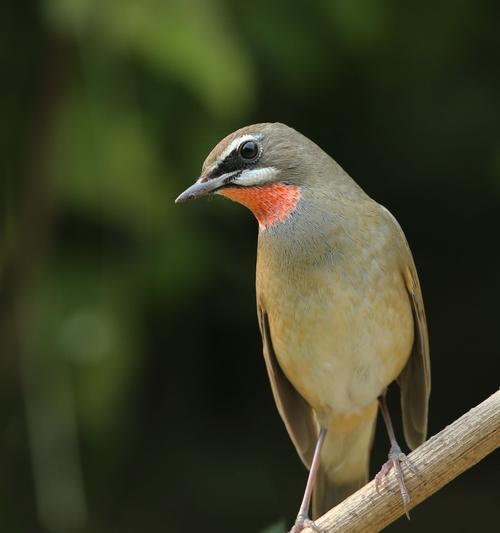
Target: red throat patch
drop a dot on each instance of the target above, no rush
(269, 203)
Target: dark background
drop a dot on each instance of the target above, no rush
(133, 393)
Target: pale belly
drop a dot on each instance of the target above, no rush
(340, 342)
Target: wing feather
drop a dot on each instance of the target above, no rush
(415, 379)
(294, 410)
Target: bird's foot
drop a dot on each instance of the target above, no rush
(396, 459)
(302, 523)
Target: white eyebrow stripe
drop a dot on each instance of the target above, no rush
(234, 144)
(256, 176)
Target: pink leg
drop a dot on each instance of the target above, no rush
(396, 458)
(303, 520)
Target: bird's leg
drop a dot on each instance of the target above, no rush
(303, 519)
(396, 457)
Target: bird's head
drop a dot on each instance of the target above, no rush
(263, 166)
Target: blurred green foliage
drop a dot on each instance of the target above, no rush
(132, 391)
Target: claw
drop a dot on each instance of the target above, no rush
(396, 459)
(302, 523)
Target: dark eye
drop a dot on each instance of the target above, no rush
(249, 150)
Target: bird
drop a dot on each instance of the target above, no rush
(339, 306)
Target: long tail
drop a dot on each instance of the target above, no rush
(344, 464)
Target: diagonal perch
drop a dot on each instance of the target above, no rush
(442, 458)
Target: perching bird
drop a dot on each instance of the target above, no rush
(339, 305)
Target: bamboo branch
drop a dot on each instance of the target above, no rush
(439, 460)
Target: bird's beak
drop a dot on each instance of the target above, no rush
(201, 187)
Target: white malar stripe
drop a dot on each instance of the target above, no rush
(256, 176)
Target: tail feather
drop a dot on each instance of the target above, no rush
(344, 464)
(327, 493)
